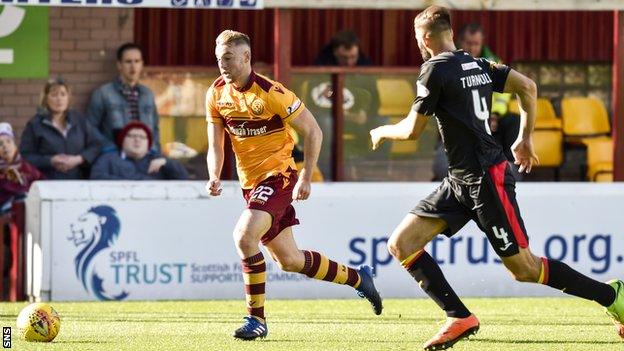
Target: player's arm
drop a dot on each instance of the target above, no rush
(428, 87)
(526, 90)
(216, 136)
(214, 157)
(305, 125)
(410, 127)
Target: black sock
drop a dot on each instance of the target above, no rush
(431, 279)
(560, 276)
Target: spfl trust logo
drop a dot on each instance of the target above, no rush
(93, 232)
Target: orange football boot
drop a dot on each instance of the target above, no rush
(452, 331)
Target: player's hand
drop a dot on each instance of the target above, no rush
(376, 137)
(302, 190)
(524, 154)
(213, 187)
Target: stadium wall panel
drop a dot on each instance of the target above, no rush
(169, 240)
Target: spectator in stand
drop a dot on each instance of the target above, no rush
(57, 140)
(16, 174)
(343, 50)
(360, 101)
(116, 103)
(134, 161)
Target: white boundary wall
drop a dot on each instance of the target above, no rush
(175, 242)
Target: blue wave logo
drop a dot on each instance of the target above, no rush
(179, 3)
(94, 231)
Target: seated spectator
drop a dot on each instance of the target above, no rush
(59, 141)
(343, 50)
(134, 161)
(360, 102)
(16, 174)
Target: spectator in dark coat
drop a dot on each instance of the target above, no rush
(59, 141)
(134, 161)
(16, 174)
(343, 50)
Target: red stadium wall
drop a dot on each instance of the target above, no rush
(186, 37)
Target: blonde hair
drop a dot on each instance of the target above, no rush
(232, 37)
(47, 88)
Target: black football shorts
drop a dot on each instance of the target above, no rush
(491, 203)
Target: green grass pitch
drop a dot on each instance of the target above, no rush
(506, 324)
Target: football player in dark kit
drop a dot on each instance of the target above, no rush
(456, 89)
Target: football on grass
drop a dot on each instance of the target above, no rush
(38, 322)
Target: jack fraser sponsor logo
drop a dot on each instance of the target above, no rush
(250, 128)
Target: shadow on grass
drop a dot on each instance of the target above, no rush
(325, 341)
(81, 342)
(576, 342)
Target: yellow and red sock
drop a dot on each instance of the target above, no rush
(544, 272)
(559, 275)
(320, 267)
(254, 275)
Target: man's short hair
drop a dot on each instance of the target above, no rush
(232, 37)
(346, 38)
(472, 28)
(434, 19)
(125, 47)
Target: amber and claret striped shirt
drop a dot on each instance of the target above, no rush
(256, 117)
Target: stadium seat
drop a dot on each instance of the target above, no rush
(599, 159)
(166, 124)
(548, 147)
(584, 117)
(545, 118)
(196, 136)
(396, 97)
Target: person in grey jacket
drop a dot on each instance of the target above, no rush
(116, 103)
(134, 161)
(59, 141)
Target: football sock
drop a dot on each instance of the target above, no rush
(431, 279)
(320, 267)
(560, 276)
(254, 275)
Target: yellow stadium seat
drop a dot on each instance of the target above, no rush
(603, 177)
(396, 97)
(599, 158)
(545, 118)
(196, 135)
(584, 117)
(167, 130)
(548, 147)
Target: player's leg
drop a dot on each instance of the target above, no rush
(251, 226)
(407, 244)
(499, 216)
(439, 213)
(290, 258)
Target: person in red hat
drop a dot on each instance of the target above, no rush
(134, 161)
